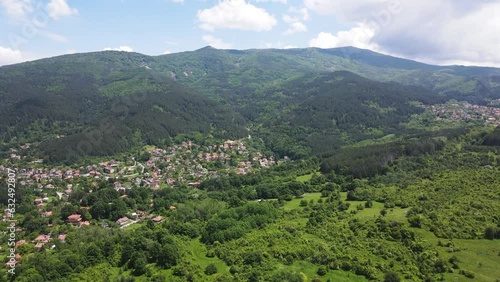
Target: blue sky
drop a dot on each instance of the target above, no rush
(441, 32)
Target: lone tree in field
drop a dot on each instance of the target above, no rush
(210, 269)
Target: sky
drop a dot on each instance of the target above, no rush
(442, 32)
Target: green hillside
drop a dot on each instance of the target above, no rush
(106, 96)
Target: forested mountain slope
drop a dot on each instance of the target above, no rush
(296, 99)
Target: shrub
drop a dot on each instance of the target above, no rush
(391, 277)
(467, 273)
(210, 269)
(322, 271)
(369, 204)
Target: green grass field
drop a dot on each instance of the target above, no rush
(198, 256)
(295, 203)
(306, 177)
(309, 270)
(482, 257)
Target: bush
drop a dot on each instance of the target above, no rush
(322, 271)
(391, 277)
(368, 204)
(210, 269)
(467, 273)
(233, 270)
(492, 233)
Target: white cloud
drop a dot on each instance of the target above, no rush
(121, 48)
(439, 32)
(277, 1)
(54, 36)
(167, 52)
(360, 36)
(236, 14)
(296, 27)
(302, 13)
(178, 1)
(276, 45)
(216, 42)
(9, 56)
(294, 19)
(289, 19)
(59, 8)
(17, 8)
(348, 9)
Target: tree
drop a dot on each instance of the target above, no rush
(368, 204)
(391, 277)
(118, 209)
(32, 224)
(138, 263)
(169, 256)
(303, 203)
(491, 233)
(415, 221)
(92, 255)
(210, 269)
(100, 210)
(30, 275)
(322, 271)
(67, 210)
(150, 224)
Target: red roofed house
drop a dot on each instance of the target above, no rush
(43, 239)
(46, 214)
(20, 242)
(85, 223)
(74, 219)
(122, 221)
(157, 219)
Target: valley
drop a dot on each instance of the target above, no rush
(249, 165)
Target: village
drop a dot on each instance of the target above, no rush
(187, 164)
(463, 111)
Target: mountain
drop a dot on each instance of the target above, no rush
(98, 101)
(300, 101)
(259, 68)
(317, 113)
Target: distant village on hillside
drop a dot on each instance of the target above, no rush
(186, 164)
(463, 111)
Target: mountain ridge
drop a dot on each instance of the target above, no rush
(224, 92)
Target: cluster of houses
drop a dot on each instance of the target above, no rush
(466, 112)
(191, 163)
(125, 221)
(76, 220)
(39, 242)
(187, 163)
